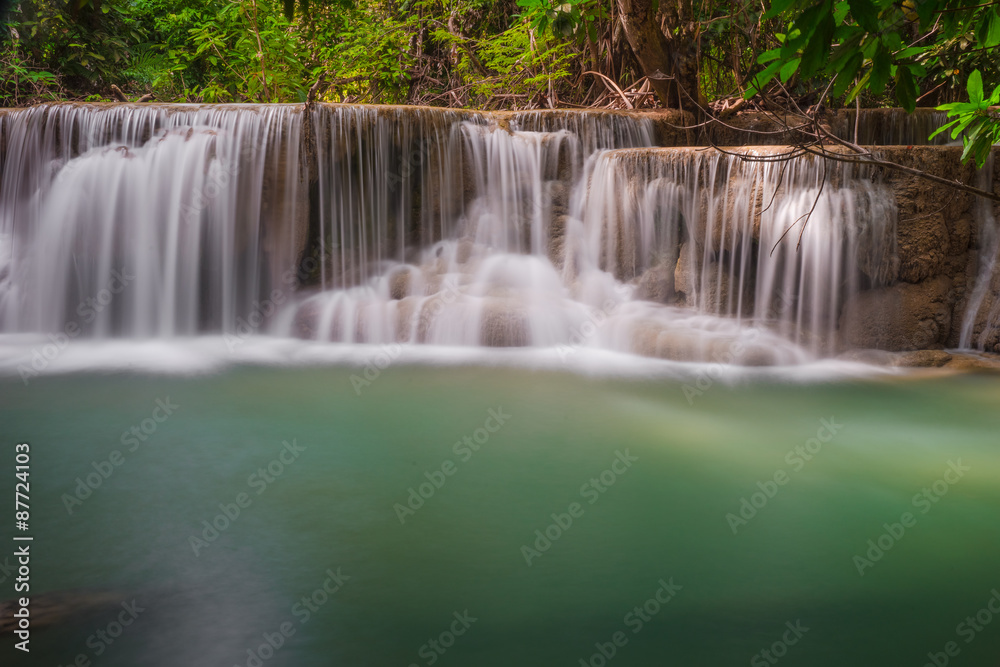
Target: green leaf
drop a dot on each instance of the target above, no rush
(927, 10)
(777, 7)
(880, 71)
(865, 14)
(788, 69)
(975, 87)
(809, 20)
(994, 98)
(893, 41)
(964, 121)
(990, 36)
(910, 52)
(768, 56)
(840, 12)
(846, 75)
(861, 86)
(761, 79)
(817, 51)
(943, 128)
(993, 34)
(906, 91)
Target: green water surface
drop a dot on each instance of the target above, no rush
(403, 576)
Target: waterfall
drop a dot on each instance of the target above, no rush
(887, 127)
(765, 242)
(145, 221)
(982, 312)
(442, 230)
(553, 229)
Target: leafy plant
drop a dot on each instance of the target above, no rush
(974, 121)
(849, 47)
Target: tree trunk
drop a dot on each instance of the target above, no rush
(659, 57)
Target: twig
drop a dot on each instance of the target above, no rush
(613, 86)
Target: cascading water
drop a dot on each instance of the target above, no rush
(527, 229)
(145, 221)
(981, 322)
(543, 248)
(889, 127)
(491, 202)
(760, 241)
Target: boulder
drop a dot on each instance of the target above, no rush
(503, 323)
(981, 362)
(922, 359)
(657, 283)
(399, 284)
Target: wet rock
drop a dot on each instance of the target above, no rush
(503, 324)
(557, 240)
(306, 320)
(657, 284)
(708, 286)
(655, 339)
(874, 357)
(922, 246)
(901, 317)
(399, 284)
(405, 310)
(464, 251)
(922, 359)
(974, 362)
(960, 234)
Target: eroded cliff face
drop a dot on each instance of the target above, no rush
(944, 238)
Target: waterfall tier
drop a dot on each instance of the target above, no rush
(564, 230)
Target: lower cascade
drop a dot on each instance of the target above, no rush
(377, 225)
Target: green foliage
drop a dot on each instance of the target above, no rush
(577, 19)
(490, 53)
(219, 51)
(978, 126)
(84, 44)
(886, 48)
(381, 51)
(19, 78)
